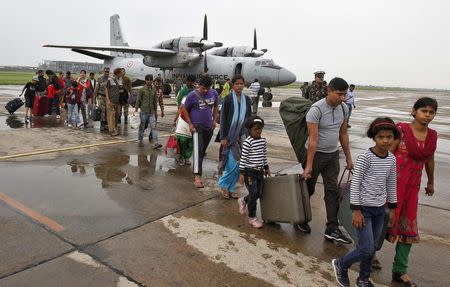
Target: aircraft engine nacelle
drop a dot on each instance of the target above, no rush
(179, 60)
(239, 51)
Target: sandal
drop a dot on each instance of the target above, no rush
(398, 278)
(234, 195)
(225, 193)
(198, 183)
(376, 264)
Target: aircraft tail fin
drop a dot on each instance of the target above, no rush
(116, 35)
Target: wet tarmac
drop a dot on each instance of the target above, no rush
(123, 215)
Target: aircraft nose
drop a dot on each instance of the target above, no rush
(285, 77)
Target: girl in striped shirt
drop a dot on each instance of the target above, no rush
(253, 166)
(373, 184)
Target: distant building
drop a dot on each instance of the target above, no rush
(74, 67)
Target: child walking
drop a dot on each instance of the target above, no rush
(253, 166)
(413, 151)
(374, 182)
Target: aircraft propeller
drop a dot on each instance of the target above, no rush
(255, 52)
(204, 44)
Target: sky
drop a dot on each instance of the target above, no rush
(372, 42)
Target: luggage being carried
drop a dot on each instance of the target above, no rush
(293, 113)
(14, 105)
(285, 199)
(171, 149)
(132, 98)
(345, 212)
(96, 114)
(40, 105)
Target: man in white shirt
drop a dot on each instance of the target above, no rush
(350, 101)
(254, 87)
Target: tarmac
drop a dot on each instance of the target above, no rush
(80, 208)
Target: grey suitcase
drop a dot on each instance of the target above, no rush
(285, 199)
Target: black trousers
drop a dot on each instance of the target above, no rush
(254, 181)
(327, 165)
(201, 138)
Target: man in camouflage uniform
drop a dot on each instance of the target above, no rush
(100, 98)
(124, 105)
(318, 89)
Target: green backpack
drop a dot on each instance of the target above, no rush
(293, 113)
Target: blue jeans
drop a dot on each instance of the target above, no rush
(368, 239)
(148, 120)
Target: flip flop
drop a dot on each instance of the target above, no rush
(198, 183)
(376, 264)
(225, 193)
(398, 277)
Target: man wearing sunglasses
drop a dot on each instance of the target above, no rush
(318, 89)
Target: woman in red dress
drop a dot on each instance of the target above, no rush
(414, 150)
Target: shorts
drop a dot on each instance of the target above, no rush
(29, 100)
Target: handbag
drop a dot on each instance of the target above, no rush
(96, 114)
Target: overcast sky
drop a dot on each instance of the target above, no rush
(378, 42)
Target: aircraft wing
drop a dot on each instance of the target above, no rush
(123, 49)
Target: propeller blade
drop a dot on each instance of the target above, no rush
(194, 45)
(205, 28)
(218, 44)
(255, 41)
(264, 50)
(205, 64)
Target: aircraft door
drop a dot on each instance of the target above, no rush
(238, 69)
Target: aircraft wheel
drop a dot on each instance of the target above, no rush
(267, 96)
(261, 91)
(267, 104)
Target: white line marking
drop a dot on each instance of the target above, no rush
(245, 253)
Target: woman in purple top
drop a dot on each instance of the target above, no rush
(200, 110)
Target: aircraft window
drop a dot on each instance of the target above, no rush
(258, 63)
(176, 42)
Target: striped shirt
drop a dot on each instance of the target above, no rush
(254, 154)
(374, 180)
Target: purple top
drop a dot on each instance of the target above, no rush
(201, 109)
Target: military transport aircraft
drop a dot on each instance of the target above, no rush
(187, 55)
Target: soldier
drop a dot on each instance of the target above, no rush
(318, 89)
(124, 102)
(303, 89)
(114, 87)
(99, 96)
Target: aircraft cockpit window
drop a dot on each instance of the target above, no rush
(176, 42)
(258, 63)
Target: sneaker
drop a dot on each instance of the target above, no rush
(242, 205)
(304, 227)
(255, 222)
(364, 283)
(337, 235)
(58, 117)
(157, 146)
(340, 274)
(69, 125)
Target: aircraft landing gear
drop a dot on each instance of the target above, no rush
(267, 98)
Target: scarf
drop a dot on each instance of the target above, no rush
(410, 140)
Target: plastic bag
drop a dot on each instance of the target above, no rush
(134, 122)
(171, 149)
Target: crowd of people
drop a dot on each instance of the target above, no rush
(386, 175)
